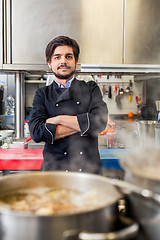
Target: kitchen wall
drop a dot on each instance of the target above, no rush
(120, 104)
(104, 82)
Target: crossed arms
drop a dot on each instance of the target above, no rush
(66, 125)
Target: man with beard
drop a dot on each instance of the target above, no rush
(68, 114)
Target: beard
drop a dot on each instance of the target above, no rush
(64, 76)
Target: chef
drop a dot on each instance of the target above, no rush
(68, 114)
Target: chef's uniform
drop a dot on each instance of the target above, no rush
(79, 151)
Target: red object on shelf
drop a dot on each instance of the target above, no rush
(21, 159)
(28, 139)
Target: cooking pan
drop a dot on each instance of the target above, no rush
(142, 168)
(99, 219)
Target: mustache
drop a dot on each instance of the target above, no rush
(64, 65)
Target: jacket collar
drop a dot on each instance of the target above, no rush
(66, 95)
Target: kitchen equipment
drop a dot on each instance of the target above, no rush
(158, 111)
(142, 168)
(121, 91)
(146, 132)
(157, 137)
(1, 100)
(127, 90)
(147, 111)
(6, 133)
(116, 88)
(144, 207)
(118, 100)
(111, 140)
(33, 77)
(129, 98)
(109, 92)
(26, 226)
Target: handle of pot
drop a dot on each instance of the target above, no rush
(128, 232)
(127, 188)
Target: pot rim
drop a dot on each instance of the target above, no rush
(60, 173)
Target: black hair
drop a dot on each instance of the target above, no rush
(62, 41)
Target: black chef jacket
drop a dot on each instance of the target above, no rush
(77, 152)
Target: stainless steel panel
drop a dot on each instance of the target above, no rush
(1, 35)
(121, 68)
(19, 105)
(142, 31)
(36, 22)
(43, 68)
(101, 31)
(96, 25)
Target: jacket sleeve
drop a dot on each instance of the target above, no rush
(39, 129)
(95, 120)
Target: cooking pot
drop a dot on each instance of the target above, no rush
(144, 207)
(146, 132)
(100, 219)
(142, 168)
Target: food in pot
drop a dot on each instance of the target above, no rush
(50, 201)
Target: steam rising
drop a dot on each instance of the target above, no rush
(144, 163)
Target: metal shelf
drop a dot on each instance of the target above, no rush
(120, 68)
(35, 81)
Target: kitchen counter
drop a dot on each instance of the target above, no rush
(20, 159)
(31, 159)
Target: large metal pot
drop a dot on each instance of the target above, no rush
(18, 226)
(142, 168)
(144, 206)
(146, 132)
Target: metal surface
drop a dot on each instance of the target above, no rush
(128, 232)
(1, 34)
(101, 219)
(6, 133)
(129, 36)
(120, 68)
(8, 31)
(146, 132)
(144, 207)
(142, 32)
(70, 18)
(4, 31)
(146, 159)
(40, 68)
(38, 18)
(19, 127)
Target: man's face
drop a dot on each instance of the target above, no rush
(63, 62)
